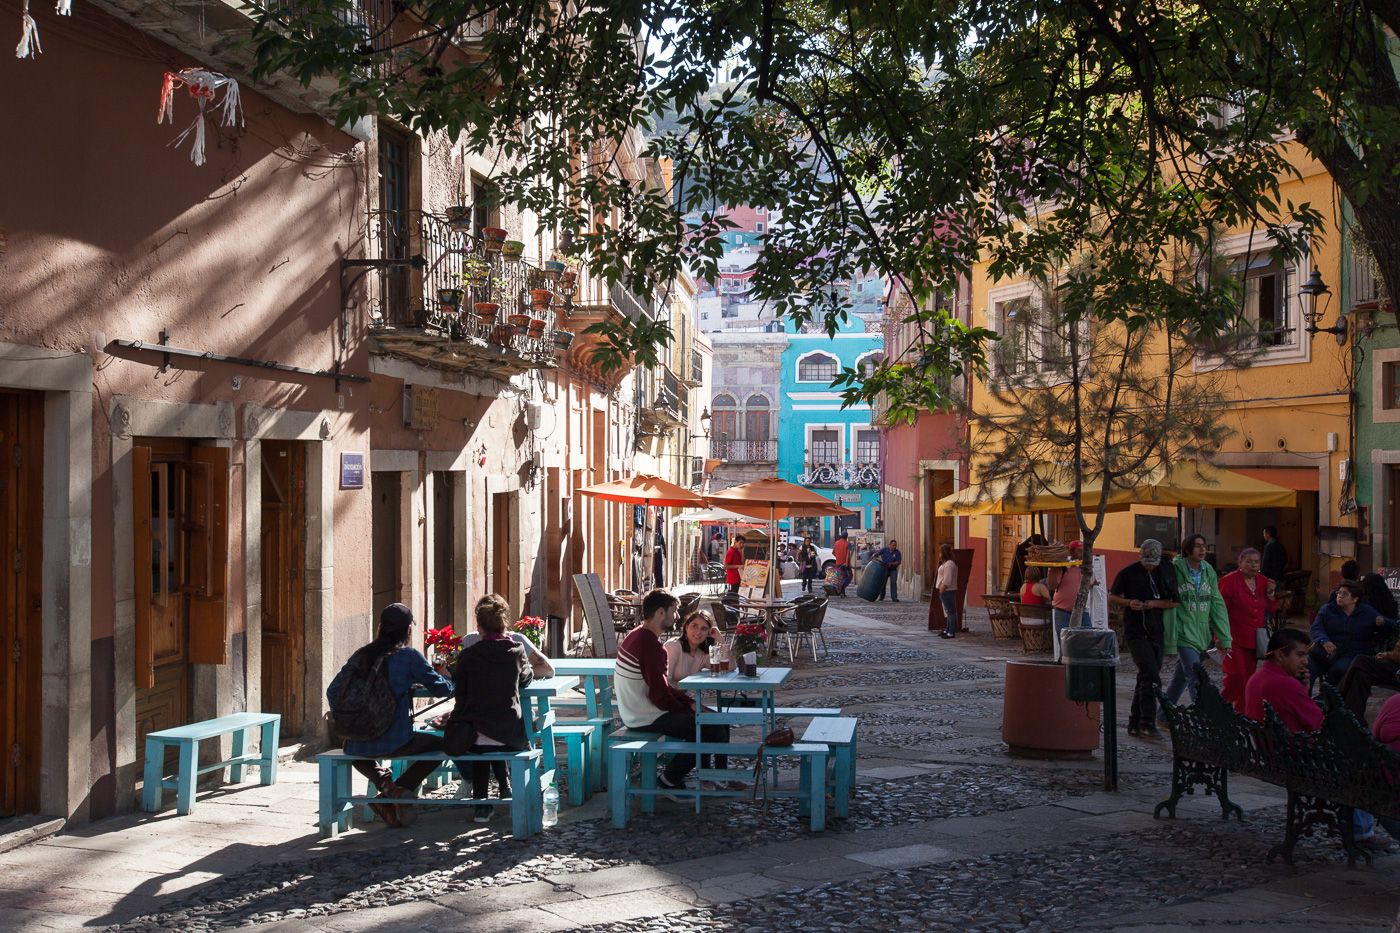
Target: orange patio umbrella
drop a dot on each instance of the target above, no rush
(647, 490)
(775, 498)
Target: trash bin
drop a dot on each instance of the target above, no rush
(554, 636)
(1090, 656)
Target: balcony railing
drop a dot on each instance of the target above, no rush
(741, 451)
(407, 302)
(841, 475)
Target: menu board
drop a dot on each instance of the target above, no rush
(754, 573)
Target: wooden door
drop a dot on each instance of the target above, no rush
(1011, 531)
(941, 527)
(21, 554)
(284, 584)
(444, 553)
(501, 544)
(159, 481)
(386, 516)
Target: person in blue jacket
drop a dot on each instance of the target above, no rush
(1345, 629)
(407, 668)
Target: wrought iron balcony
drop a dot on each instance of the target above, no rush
(841, 475)
(742, 451)
(431, 314)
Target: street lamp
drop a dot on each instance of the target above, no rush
(1314, 288)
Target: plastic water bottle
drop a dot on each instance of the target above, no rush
(551, 804)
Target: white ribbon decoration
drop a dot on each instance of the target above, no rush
(203, 86)
(29, 37)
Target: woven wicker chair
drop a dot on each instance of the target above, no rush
(1001, 612)
(1035, 627)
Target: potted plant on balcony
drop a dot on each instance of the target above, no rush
(493, 238)
(486, 312)
(553, 270)
(476, 272)
(541, 298)
(459, 215)
(563, 339)
(502, 335)
(450, 297)
(521, 322)
(537, 326)
(512, 250)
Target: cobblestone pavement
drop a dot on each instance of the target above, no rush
(946, 832)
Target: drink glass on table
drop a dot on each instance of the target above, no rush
(714, 659)
(723, 661)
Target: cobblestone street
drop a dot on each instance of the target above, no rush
(946, 833)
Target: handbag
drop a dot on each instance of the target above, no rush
(781, 737)
(1261, 643)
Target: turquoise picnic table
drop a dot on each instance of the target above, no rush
(729, 683)
(539, 716)
(597, 677)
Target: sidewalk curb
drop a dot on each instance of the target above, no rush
(41, 827)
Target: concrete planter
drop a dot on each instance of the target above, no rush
(1037, 721)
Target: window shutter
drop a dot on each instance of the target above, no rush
(144, 561)
(208, 556)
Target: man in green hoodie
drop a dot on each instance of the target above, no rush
(1188, 627)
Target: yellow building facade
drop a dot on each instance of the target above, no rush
(1288, 410)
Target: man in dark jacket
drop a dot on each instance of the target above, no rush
(487, 716)
(1275, 556)
(1144, 590)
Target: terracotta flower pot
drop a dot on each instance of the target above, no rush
(502, 335)
(541, 298)
(568, 279)
(486, 311)
(459, 216)
(520, 322)
(537, 325)
(493, 238)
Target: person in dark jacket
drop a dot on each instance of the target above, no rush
(1344, 630)
(1144, 590)
(1275, 560)
(487, 717)
(406, 668)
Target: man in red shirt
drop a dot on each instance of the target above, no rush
(1279, 682)
(733, 562)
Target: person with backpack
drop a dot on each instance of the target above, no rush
(370, 702)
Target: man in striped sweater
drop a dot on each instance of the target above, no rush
(646, 700)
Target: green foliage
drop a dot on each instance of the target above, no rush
(907, 138)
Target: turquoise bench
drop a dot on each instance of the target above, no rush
(811, 792)
(338, 800)
(579, 757)
(187, 739)
(839, 735)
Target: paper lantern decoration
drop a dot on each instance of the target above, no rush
(204, 86)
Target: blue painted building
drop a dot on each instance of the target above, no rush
(832, 450)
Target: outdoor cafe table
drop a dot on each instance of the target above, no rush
(597, 675)
(766, 684)
(770, 609)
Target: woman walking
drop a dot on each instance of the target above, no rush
(1200, 617)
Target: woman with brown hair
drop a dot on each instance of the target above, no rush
(946, 582)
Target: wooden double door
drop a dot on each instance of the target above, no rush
(284, 584)
(21, 561)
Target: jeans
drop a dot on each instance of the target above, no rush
(892, 584)
(682, 726)
(1147, 655)
(949, 599)
(1185, 675)
(808, 575)
(1363, 825)
(420, 744)
(1060, 618)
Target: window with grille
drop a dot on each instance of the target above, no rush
(819, 367)
(867, 445)
(825, 446)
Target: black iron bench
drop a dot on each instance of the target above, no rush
(1328, 773)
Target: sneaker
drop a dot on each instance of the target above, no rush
(482, 813)
(1135, 731)
(664, 784)
(945, 635)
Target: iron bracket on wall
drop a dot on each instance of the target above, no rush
(166, 351)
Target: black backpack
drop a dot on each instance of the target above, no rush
(364, 703)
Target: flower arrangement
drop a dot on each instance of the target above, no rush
(532, 627)
(445, 642)
(749, 636)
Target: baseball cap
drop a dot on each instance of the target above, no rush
(1073, 545)
(1151, 552)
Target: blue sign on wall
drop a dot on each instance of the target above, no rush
(352, 471)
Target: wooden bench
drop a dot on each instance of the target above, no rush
(839, 735)
(187, 739)
(1328, 774)
(338, 800)
(811, 793)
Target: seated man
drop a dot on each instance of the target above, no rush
(405, 668)
(1279, 682)
(1365, 672)
(646, 700)
(486, 717)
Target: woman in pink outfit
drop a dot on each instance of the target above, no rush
(1249, 598)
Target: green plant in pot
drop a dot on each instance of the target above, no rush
(512, 250)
